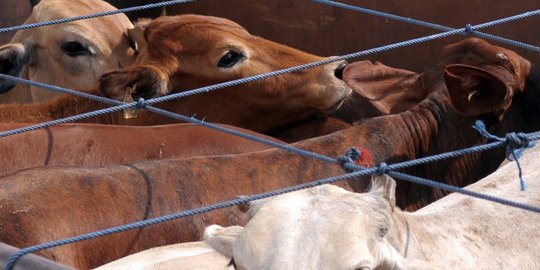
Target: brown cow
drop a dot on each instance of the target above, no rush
(184, 52)
(32, 200)
(98, 145)
(78, 52)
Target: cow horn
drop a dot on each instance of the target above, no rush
(472, 95)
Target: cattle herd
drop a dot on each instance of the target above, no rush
(76, 178)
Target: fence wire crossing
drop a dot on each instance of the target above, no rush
(356, 169)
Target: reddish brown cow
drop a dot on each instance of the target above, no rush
(98, 145)
(190, 51)
(32, 200)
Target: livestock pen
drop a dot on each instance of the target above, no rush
(327, 30)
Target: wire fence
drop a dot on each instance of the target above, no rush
(512, 146)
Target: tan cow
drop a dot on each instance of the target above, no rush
(184, 52)
(330, 228)
(71, 55)
(183, 256)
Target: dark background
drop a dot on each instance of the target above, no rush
(325, 30)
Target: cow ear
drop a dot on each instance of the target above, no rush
(222, 238)
(474, 91)
(385, 186)
(133, 83)
(390, 90)
(244, 207)
(136, 35)
(14, 58)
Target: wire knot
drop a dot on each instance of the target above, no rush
(382, 169)
(349, 158)
(141, 103)
(515, 144)
(468, 28)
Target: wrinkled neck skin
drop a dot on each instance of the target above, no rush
(430, 128)
(60, 107)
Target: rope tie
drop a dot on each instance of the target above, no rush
(349, 158)
(515, 144)
(141, 104)
(382, 169)
(468, 28)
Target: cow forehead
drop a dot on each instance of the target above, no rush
(105, 33)
(475, 50)
(322, 225)
(320, 211)
(191, 29)
(58, 9)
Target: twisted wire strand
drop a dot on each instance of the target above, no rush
(432, 25)
(93, 15)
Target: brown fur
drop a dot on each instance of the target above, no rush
(99, 145)
(181, 53)
(45, 204)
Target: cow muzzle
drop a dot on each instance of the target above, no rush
(338, 72)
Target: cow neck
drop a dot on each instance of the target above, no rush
(408, 233)
(400, 235)
(60, 107)
(429, 128)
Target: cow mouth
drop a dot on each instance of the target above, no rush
(335, 106)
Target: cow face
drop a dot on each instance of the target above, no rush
(321, 228)
(71, 55)
(186, 52)
(486, 80)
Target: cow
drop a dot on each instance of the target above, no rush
(184, 256)
(505, 87)
(189, 51)
(81, 144)
(78, 52)
(328, 227)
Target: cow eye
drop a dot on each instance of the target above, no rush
(230, 59)
(75, 48)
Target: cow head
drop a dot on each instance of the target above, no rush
(485, 81)
(185, 52)
(325, 227)
(72, 54)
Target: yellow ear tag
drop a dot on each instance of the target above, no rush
(472, 95)
(130, 113)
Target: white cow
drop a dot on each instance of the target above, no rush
(184, 256)
(330, 228)
(72, 54)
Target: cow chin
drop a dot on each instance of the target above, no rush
(334, 107)
(345, 93)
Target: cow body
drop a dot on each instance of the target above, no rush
(184, 256)
(78, 52)
(143, 190)
(329, 228)
(99, 145)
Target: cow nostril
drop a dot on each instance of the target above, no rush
(339, 70)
